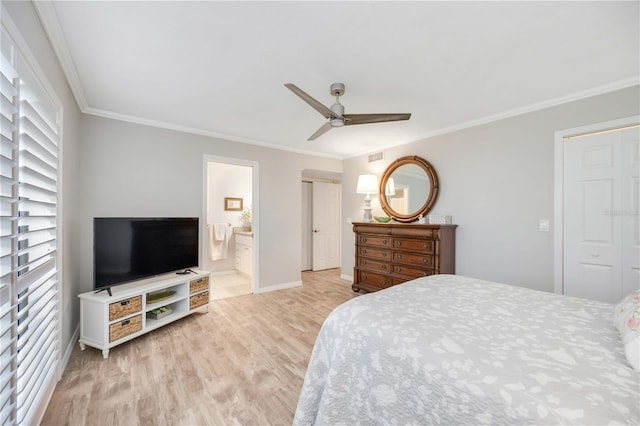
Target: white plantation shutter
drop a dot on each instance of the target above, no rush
(29, 275)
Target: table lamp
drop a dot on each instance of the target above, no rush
(367, 184)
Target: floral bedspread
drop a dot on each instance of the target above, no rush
(450, 350)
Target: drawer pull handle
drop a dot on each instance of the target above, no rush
(364, 262)
(424, 246)
(424, 260)
(363, 251)
(384, 254)
(364, 276)
(399, 256)
(127, 322)
(384, 282)
(125, 302)
(384, 241)
(398, 269)
(363, 239)
(384, 266)
(424, 274)
(398, 243)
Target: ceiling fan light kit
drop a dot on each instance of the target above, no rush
(335, 115)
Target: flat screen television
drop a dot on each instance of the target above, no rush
(126, 249)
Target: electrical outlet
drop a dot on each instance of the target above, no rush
(544, 225)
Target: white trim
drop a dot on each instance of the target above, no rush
(201, 132)
(255, 225)
(49, 19)
(282, 286)
(346, 277)
(67, 353)
(51, 23)
(558, 190)
(606, 88)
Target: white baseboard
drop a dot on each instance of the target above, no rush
(67, 353)
(346, 277)
(282, 286)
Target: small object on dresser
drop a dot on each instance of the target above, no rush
(159, 313)
(382, 219)
(440, 219)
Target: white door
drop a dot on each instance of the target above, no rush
(601, 232)
(326, 225)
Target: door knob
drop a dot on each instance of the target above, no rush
(316, 230)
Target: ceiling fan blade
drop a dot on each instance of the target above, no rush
(321, 131)
(308, 99)
(351, 119)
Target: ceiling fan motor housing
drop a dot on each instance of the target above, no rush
(337, 89)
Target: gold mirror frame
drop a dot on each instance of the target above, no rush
(433, 188)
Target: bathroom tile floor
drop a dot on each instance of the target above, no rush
(229, 285)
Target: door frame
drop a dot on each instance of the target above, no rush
(255, 223)
(558, 193)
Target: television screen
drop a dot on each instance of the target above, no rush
(128, 249)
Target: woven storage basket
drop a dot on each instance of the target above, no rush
(124, 307)
(124, 328)
(198, 300)
(199, 285)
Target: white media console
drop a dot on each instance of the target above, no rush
(107, 321)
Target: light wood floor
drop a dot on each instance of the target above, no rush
(241, 363)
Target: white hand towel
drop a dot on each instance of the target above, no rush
(219, 234)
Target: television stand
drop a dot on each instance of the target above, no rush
(128, 312)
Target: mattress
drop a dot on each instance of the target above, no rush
(447, 349)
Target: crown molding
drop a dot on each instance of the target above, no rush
(201, 132)
(606, 88)
(49, 19)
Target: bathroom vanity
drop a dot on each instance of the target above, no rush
(244, 252)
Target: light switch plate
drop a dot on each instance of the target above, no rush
(544, 225)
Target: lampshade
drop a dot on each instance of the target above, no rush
(367, 184)
(390, 188)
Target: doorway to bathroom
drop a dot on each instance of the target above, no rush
(230, 229)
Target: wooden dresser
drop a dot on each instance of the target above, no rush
(390, 254)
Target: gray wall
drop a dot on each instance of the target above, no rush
(26, 19)
(134, 170)
(497, 182)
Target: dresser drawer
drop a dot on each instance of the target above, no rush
(374, 240)
(420, 260)
(374, 264)
(425, 246)
(410, 271)
(374, 253)
(373, 279)
(400, 280)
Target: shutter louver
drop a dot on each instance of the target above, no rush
(28, 249)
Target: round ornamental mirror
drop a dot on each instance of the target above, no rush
(408, 188)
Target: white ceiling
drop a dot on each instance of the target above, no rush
(218, 68)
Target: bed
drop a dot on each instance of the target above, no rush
(449, 350)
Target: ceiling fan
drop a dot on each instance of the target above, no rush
(336, 116)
